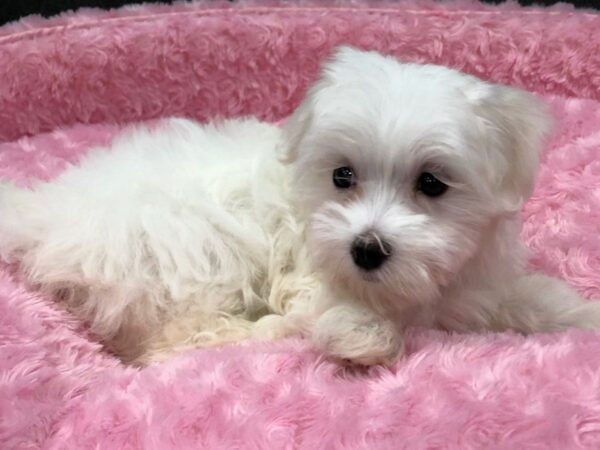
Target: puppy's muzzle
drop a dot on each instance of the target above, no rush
(369, 251)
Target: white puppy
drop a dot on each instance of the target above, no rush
(390, 198)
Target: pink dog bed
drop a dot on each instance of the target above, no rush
(73, 81)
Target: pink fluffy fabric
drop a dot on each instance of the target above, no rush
(72, 82)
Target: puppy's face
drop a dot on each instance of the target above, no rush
(400, 169)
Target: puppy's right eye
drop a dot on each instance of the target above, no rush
(343, 177)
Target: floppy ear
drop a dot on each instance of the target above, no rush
(515, 123)
(343, 59)
(294, 130)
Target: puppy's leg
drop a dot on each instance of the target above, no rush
(533, 303)
(275, 326)
(355, 333)
(192, 331)
(539, 303)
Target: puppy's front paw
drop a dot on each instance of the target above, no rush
(357, 335)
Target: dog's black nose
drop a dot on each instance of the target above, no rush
(369, 251)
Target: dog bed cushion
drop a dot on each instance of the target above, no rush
(74, 81)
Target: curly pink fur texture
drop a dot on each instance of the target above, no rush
(71, 82)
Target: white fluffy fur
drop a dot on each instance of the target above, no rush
(183, 235)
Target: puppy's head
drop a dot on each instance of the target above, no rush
(400, 169)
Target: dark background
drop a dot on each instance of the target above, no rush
(14, 9)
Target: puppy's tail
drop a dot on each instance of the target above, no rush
(13, 239)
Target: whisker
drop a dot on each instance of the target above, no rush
(382, 247)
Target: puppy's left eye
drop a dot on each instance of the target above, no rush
(343, 177)
(430, 185)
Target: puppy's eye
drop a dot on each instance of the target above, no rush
(343, 177)
(430, 185)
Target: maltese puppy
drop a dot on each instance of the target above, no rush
(389, 199)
